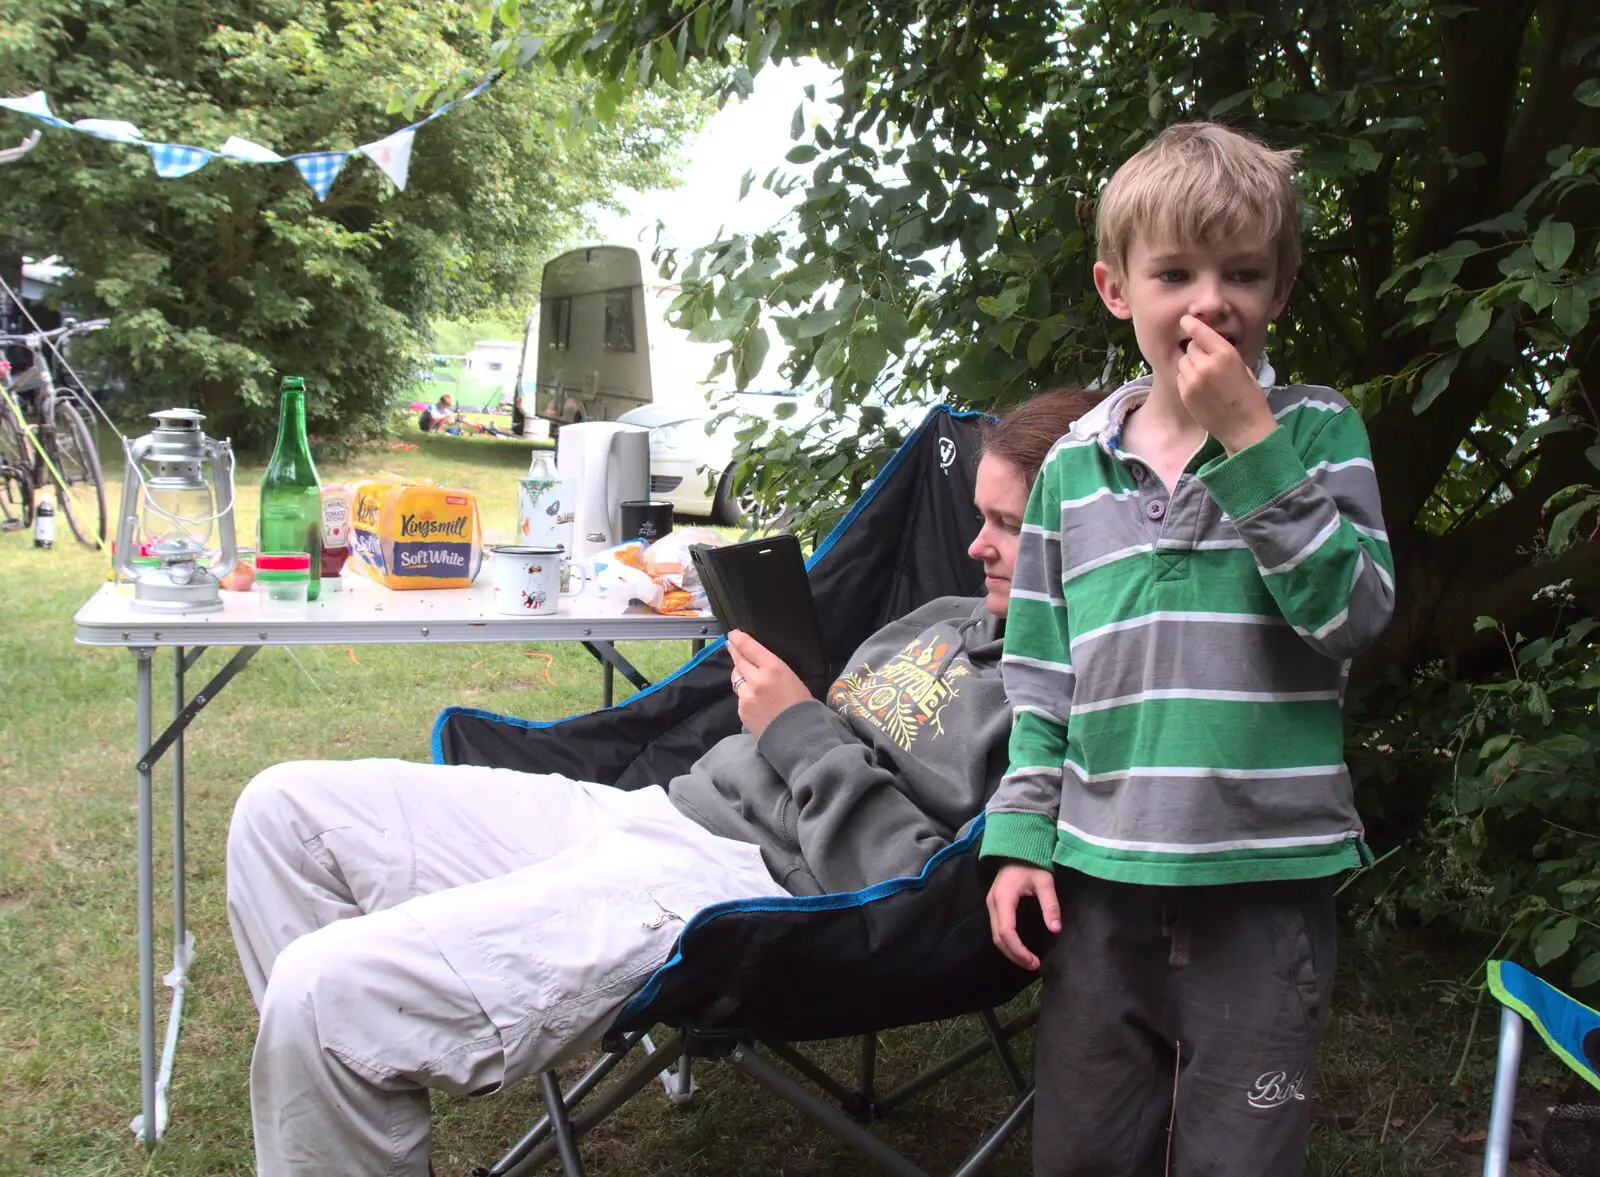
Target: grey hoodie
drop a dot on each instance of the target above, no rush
(867, 786)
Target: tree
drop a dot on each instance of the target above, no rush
(219, 281)
(1451, 160)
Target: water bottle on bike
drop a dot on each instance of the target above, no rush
(291, 493)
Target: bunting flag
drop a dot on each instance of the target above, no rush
(321, 169)
(391, 154)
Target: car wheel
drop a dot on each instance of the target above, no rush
(740, 510)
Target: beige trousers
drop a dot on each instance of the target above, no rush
(409, 926)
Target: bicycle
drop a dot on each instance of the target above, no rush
(50, 442)
(16, 482)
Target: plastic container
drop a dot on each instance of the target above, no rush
(283, 584)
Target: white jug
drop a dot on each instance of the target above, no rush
(611, 463)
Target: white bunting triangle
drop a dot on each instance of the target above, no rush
(392, 154)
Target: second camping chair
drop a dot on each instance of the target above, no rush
(751, 978)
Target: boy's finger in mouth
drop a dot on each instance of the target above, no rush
(1183, 344)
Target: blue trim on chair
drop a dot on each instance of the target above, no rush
(889, 468)
(436, 742)
(834, 902)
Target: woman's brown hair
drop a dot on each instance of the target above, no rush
(1023, 436)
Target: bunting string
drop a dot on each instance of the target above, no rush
(319, 169)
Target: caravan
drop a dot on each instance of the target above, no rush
(590, 340)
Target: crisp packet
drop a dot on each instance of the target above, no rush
(661, 576)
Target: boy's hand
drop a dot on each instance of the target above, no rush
(1220, 391)
(1016, 880)
(763, 681)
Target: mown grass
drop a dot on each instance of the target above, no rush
(68, 983)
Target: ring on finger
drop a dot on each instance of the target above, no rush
(738, 681)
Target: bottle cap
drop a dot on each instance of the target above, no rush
(284, 562)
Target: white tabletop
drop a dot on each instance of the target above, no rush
(363, 612)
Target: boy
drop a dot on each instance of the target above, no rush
(1202, 555)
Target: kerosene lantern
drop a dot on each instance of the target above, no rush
(168, 509)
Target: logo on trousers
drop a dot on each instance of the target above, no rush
(1276, 1088)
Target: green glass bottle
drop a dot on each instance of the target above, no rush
(291, 493)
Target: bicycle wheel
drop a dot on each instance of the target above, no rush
(16, 497)
(16, 465)
(83, 496)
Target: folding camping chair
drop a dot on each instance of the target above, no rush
(1568, 1027)
(751, 978)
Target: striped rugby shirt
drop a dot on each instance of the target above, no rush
(1175, 660)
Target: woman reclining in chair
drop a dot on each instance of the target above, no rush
(409, 926)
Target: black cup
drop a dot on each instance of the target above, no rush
(646, 519)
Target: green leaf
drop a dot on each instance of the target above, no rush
(802, 153)
(993, 307)
(1588, 92)
(817, 323)
(1570, 310)
(716, 330)
(1561, 526)
(1552, 243)
(751, 356)
(1495, 745)
(1474, 321)
(1554, 941)
(1039, 346)
(831, 356)
(1301, 108)
(1537, 293)
(1504, 223)
(1533, 433)
(702, 23)
(797, 124)
(1538, 702)
(1434, 381)
(868, 354)
(1588, 972)
(748, 179)
(667, 61)
(1593, 454)
(1483, 623)
(1231, 102)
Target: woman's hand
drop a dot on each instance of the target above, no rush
(764, 683)
(1016, 880)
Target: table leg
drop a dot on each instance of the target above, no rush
(181, 945)
(146, 1127)
(608, 683)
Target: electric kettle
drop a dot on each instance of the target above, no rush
(611, 464)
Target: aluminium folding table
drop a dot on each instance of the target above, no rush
(363, 613)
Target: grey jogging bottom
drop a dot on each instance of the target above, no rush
(1198, 1007)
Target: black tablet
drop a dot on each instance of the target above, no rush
(761, 587)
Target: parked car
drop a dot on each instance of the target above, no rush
(694, 470)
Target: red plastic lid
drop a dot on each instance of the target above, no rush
(285, 562)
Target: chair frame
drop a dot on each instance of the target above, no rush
(556, 1134)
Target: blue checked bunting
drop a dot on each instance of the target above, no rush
(320, 169)
(391, 154)
(173, 161)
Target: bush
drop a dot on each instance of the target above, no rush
(1508, 848)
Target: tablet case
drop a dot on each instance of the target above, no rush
(761, 587)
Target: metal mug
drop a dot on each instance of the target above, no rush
(528, 580)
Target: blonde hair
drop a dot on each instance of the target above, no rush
(1201, 182)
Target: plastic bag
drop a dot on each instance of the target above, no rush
(661, 576)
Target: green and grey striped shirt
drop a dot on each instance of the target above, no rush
(1175, 657)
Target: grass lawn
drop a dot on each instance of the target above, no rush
(68, 984)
